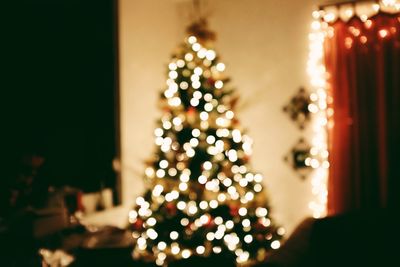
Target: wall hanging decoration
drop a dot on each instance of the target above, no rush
(297, 108)
(298, 158)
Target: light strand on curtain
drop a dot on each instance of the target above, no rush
(362, 9)
(320, 99)
(319, 107)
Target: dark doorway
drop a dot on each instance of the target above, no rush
(61, 99)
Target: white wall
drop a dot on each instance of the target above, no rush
(264, 44)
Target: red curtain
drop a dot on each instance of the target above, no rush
(363, 64)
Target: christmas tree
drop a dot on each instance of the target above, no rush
(202, 197)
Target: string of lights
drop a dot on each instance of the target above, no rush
(320, 98)
(318, 159)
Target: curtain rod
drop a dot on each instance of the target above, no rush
(345, 2)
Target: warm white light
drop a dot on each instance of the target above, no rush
(383, 33)
(192, 209)
(184, 85)
(132, 216)
(184, 221)
(218, 220)
(213, 204)
(329, 17)
(281, 231)
(141, 242)
(221, 108)
(220, 66)
(275, 244)
(151, 221)
(189, 57)
(237, 136)
(210, 139)
(198, 71)
(318, 106)
(243, 257)
(197, 94)
(227, 182)
(221, 197)
(184, 177)
(177, 121)
(174, 235)
(149, 172)
(202, 53)
(389, 2)
(229, 224)
(196, 47)
(258, 178)
(217, 250)
(175, 248)
(186, 253)
(159, 262)
(202, 179)
(180, 63)
(261, 212)
(196, 132)
(183, 186)
(161, 246)
(173, 74)
(257, 188)
(160, 173)
(194, 102)
(200, 250)
(242, 211)
(246, 223)
(158, 132)
(204, 115)
(207, 165)
(232, 155)
(167, 125)
(163, 164)
(172, 172)
(151, 233)
(181, 205)
(219, 84)
(210, 236)
(192, 39)
(210, 54)
(203, 205)
(208, 107)
(243, 182)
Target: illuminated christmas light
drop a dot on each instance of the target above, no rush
(275, 244)
(186, 253)
(213, 204)
(151, 233)
(242, 211)
(181, 205)
(202, 53)
(161, 246)
(317, 74)
(248, 239)
(192, 39)
(220, 66)
(180, 63)
(174, 235)
(219, 84)
(210, 54)
(175, 248)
